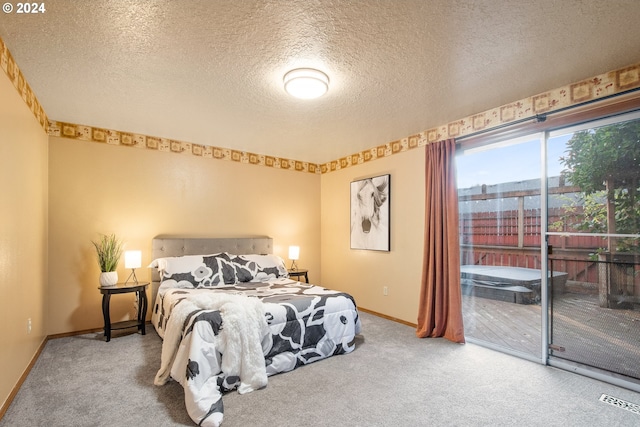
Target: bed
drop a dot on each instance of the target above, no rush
(230, 317)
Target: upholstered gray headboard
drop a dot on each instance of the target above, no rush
(168, 246)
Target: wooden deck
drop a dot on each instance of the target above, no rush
(506, 324)
(601, 337)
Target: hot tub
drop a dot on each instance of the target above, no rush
(515, 284)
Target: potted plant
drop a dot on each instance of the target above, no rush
(108, 250)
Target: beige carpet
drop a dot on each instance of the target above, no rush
(391, 379)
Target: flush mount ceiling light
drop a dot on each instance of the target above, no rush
(306, 83)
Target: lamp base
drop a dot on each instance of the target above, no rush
(135, 279)
(294, 267)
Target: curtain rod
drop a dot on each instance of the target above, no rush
(539, 118)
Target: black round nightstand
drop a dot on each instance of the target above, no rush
(123, 288)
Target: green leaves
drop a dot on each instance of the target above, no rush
(605, 163)
(594, 156)
(109, 251)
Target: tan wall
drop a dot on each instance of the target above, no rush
(364, 273)
(23, 235)
(136, 193)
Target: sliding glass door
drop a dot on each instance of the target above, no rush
(594, 231)
(550, 247)
(499, 191)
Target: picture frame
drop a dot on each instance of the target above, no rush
(370, 213)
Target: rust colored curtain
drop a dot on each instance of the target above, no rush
(440, 304)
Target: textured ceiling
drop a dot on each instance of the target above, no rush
(210, 71)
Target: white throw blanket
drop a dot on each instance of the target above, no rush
(239, 340)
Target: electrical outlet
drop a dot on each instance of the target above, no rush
(29, 325)
(385, 290)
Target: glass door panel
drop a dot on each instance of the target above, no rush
(593, 228)
(499, 196)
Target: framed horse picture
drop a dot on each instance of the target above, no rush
(370, 201)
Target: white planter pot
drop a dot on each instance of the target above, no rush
(108, 279)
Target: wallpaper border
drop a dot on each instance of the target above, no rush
(591, 89)
(16, 77)
(130, 139)
(610, 83)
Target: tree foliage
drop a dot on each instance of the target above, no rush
(595, 155)
(605, 164)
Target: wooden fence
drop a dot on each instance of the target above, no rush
(512, 237)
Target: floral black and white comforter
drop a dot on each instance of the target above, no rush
(233, 336)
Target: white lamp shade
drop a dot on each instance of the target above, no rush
(132, 259)
(306, 83)
(294, 252)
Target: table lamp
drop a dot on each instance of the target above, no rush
(294, 254)
(132, 260)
